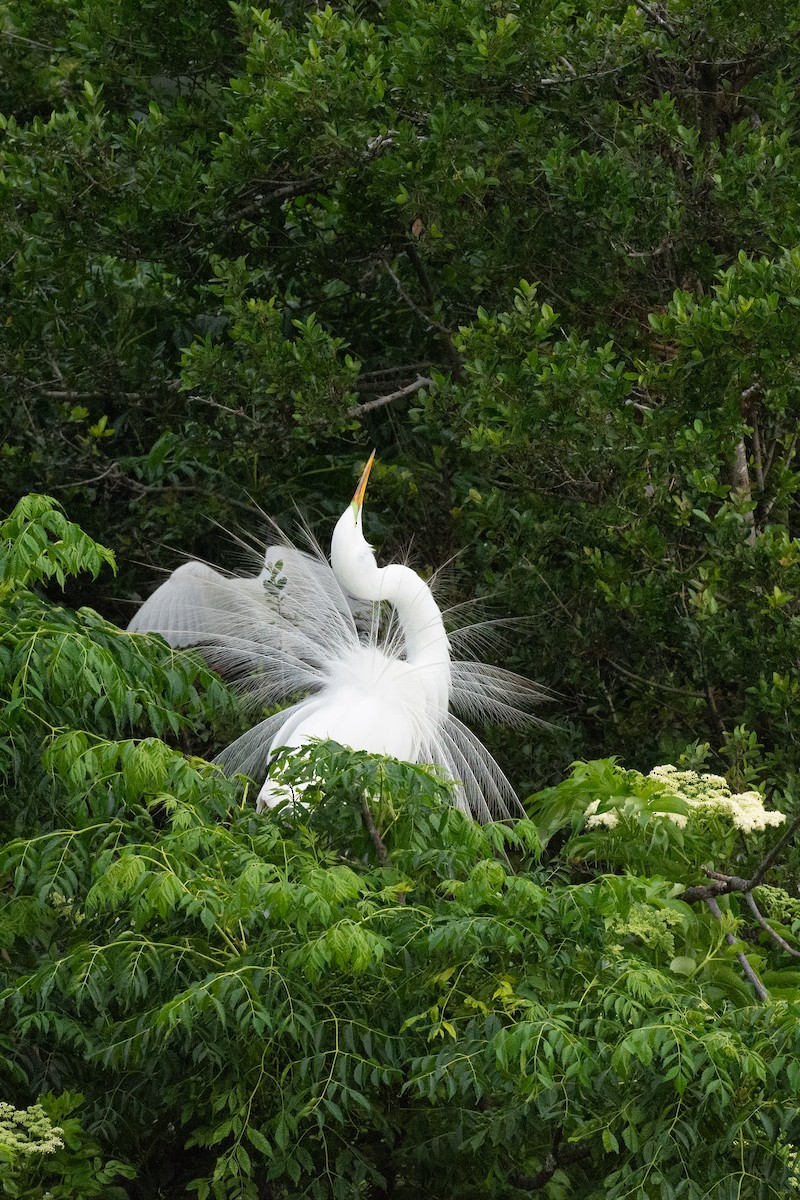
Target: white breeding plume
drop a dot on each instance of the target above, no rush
(371, 680)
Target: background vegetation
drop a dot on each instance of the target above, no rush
(544, 257)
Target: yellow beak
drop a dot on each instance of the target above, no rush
(358, 498)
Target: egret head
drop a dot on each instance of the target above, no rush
(352, 558)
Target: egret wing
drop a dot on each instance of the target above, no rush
(198, 604)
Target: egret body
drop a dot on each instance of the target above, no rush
(303, 626)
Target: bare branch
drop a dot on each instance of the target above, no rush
(664, 245)
(765, 864)
(401, 291)
(652, 12)
(108, 394)
(722, 884)
(609, 701)
(662, 687)
(113, 470)
(235, 412)
(570, 76)
(284, 191)
(758, 986)
(751, 904)
(790, 453)
(757, 456)
(379, 373)
(379, 401)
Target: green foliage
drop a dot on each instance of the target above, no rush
(544, 256)
(315, 1002)
(669, 822)
(42, 1161)
(242, 227)
(38, 543)
(70, 679)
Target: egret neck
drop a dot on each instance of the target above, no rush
(353, 562)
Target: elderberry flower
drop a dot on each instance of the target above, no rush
(608, 819)
(700, 793)
(27, 1130)
(710, 792)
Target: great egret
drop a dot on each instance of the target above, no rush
(371, 681)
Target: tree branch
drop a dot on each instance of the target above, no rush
(663, 687)
(650, 10)
(372, 829)
(722, 884)
(378, 374)
(757, 454)
(412, 254)
(403, 294)
(285, 191)
(769, 858)
(234, 412)
(379, 401)
(786, 460)
(773, 933)
(758, 986)
(108, 394)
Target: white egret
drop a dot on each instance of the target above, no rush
(384, 685)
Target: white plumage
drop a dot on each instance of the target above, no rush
(371, 679)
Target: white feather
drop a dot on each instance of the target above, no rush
(376, 681)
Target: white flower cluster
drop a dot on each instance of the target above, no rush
(745, 809)
(27, 1130)
(710, 792)
(608, 819)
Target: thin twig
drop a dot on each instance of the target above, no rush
(383, 372)
(771, 452)
(712, 708)
(664, 245)
(448, 345)
(786, 460)
(751, 904)
(650, 11)
(421, 272)
(287, 191)
(570, 616)
(721, 884)
(379, 401)
(235, 412)
(110, 393)
(113, 469)
(758, 986)
(401, 291)
(190, 489)
(609, 701)
(765, 864)
(662, 687)
(569, 77)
